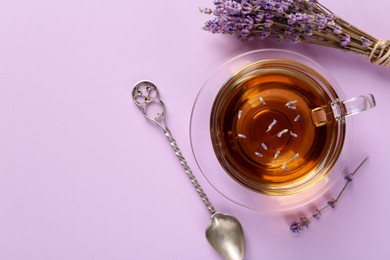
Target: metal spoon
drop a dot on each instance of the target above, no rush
(224, 232)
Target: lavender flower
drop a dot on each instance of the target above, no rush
(297, 227)
(305, 222)
(366, 42)
(294, 20)
(316, 214)
(345, 40)
(337, 29)
(332, 203)
(321, 21)
(295, 38)
(247, 7)
(348, 178)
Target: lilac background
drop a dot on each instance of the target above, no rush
(84, 176)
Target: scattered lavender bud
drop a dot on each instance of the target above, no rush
(290, 103)
(239, 114)
(259, 154)
(282, 133)
(271, 125)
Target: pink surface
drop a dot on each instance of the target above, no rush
(84, 176)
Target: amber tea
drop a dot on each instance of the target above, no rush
(272, 126)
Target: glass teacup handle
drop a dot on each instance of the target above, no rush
(340, 109)
(358, 104)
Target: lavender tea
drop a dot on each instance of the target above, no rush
(272, 127)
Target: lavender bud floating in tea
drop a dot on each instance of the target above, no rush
(224, 232)
(295, 20)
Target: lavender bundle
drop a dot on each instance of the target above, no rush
(297, 21)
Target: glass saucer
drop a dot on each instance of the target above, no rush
(202, 147)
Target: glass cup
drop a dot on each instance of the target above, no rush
(269, 129)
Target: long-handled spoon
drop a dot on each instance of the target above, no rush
(224, 232)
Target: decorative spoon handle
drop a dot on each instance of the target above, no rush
(146, 95)
(188, 171)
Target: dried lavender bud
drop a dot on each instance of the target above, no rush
(272, 125)
(258, 154)
(332, 203)
(282, 133)
(366, 42)
(295, 227)
(345, 40)
(348, 177)
(276, 154)
(239, 114)
(316, 214)
(305, 222)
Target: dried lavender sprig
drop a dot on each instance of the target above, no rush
(296, 20)
(298, 226)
